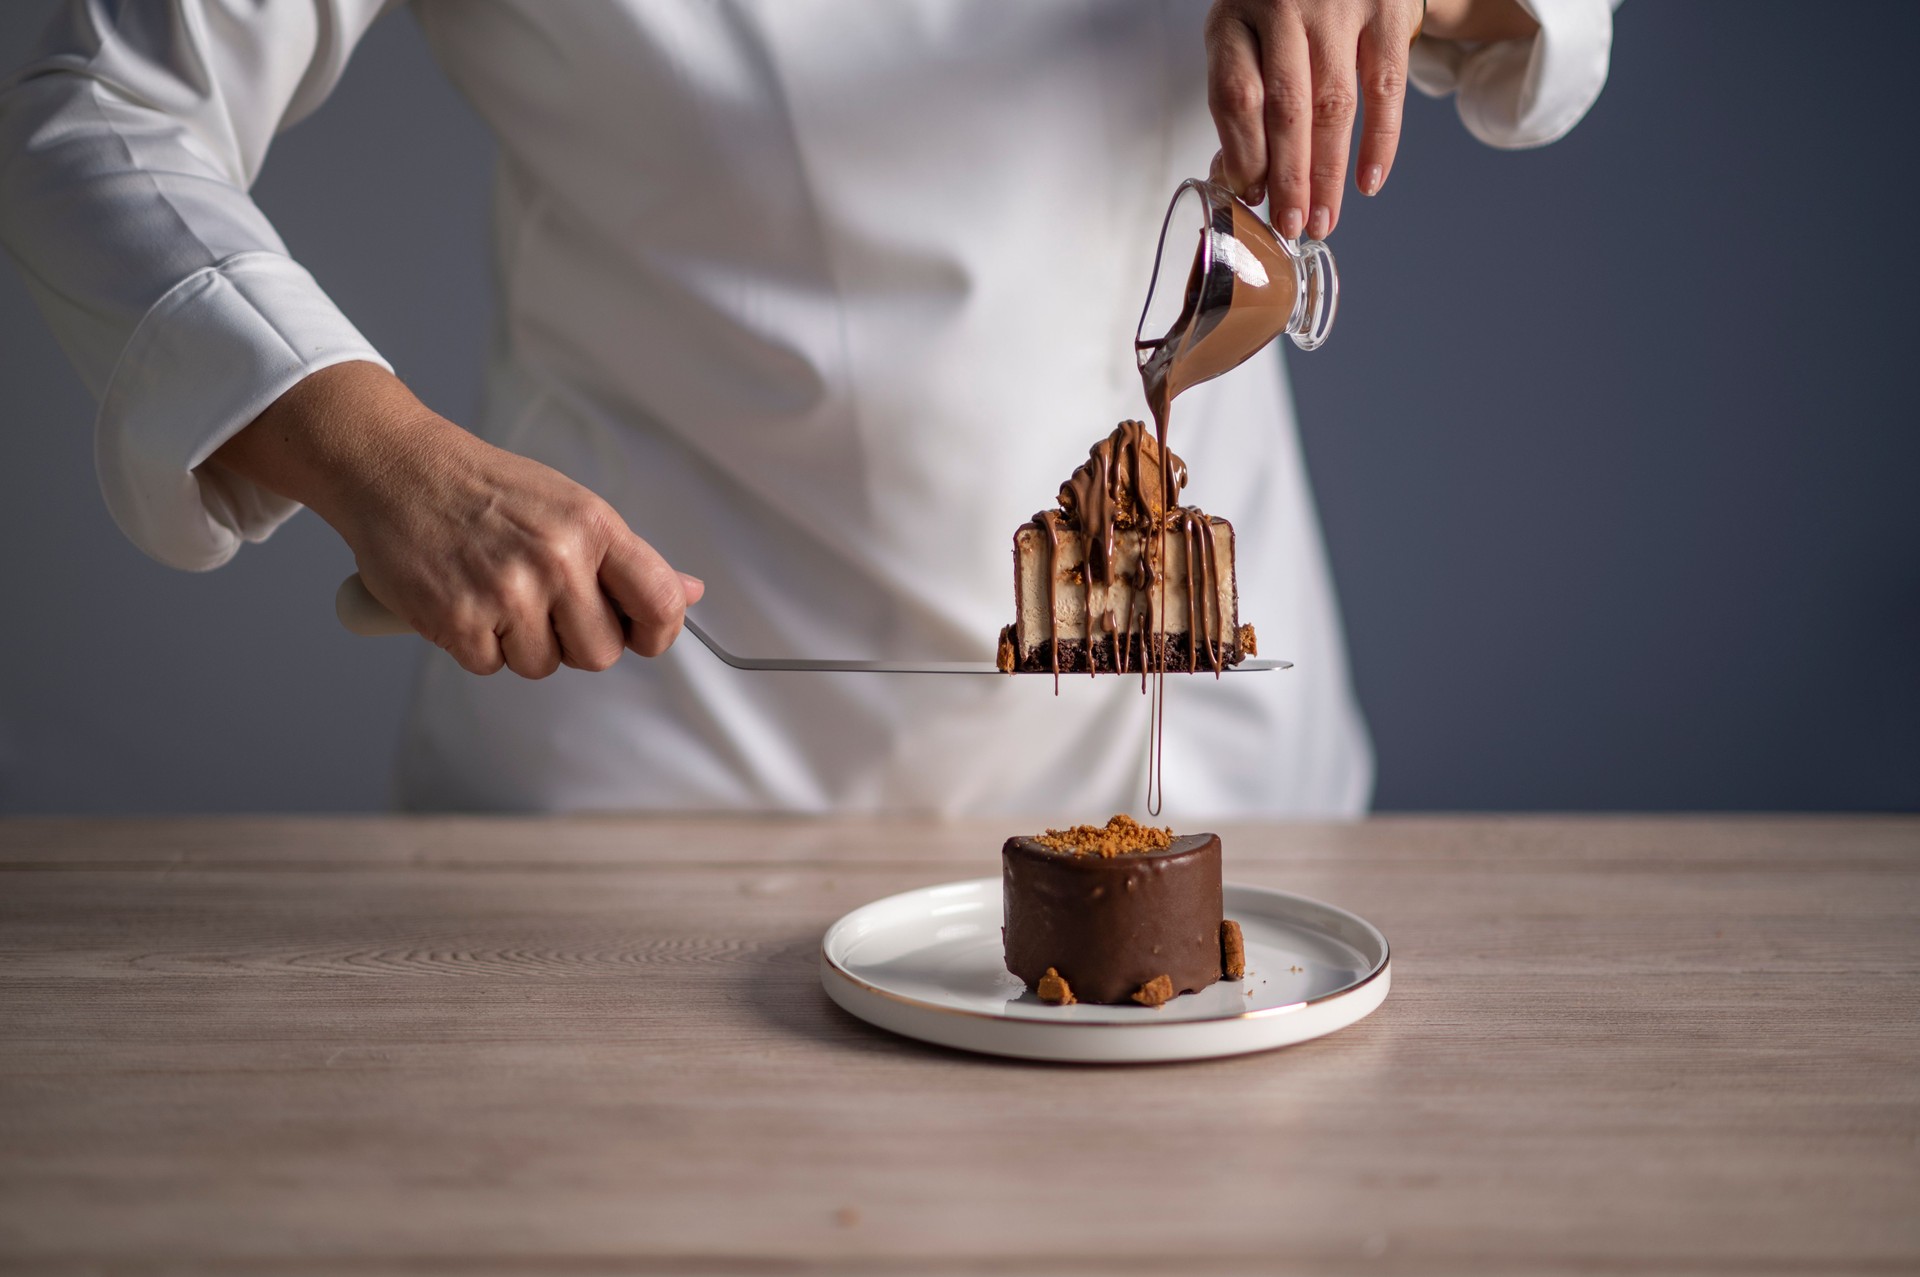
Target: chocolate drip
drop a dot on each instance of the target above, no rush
(1125, 483)
(1203, 591)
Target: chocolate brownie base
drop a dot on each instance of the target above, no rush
(1176, 651)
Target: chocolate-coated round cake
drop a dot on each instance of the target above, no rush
(1115, 919)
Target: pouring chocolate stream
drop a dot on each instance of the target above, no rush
(1245, 286)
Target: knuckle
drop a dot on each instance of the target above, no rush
(1286, 103)
(654, 636)
(521, 595)
(1234, 96)
(563, 554)
(491, 595)
(1227, 21)
(666, 598)
(474, 656)
(1330, 170)
(594, 518)
(598, 659)
(553, 569)
(532, 660)
(1385, 86)
(1334, 104)
(596, 652)
(458, 624)
(1291, 180)
(521, 584)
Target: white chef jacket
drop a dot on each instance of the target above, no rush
(825, 297)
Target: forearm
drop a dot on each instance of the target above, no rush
(1482, 21)
(129, 144)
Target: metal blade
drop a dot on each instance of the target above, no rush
(791, 664)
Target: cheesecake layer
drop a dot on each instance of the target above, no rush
(1114, 626)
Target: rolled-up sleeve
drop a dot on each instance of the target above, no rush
(127, 148)
(1520, 93)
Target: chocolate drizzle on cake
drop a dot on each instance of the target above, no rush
(1132, 480)
(1120, 486)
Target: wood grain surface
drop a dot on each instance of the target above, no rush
(600, 1046)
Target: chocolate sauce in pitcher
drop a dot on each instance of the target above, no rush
(1245, 286)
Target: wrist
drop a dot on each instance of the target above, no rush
(336, 439)
(1483, 21)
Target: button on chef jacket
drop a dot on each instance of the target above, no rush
(825, 297)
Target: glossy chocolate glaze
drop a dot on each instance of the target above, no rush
(1109, 924)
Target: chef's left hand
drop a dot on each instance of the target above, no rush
(1286, 79)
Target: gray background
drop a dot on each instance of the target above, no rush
(1615, 449)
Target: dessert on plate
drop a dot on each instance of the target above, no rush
(1120, 577)
(1120, 913)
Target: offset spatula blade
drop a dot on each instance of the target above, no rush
(363, 614)
(794, 664)
(786, 664)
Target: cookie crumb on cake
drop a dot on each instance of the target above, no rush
(1154, 992)
(1233, 949)
(1055, 990)
(1122, 835)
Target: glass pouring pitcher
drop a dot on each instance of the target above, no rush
(1244, 285)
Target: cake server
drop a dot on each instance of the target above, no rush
(363, 614)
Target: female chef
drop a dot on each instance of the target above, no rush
(803, 305)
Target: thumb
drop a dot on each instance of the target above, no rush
(648, 591)
(694, 587)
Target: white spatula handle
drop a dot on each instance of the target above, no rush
(363, 614)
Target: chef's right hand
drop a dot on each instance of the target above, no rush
(494, 557)
(1286, 79)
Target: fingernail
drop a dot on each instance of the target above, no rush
(1290, 224)
(1370, 179)
(1319, 223)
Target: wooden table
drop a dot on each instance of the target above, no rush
(492, 1046)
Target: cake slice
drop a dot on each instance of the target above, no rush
(1119, 580)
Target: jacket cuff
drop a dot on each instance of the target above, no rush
(205, 360)
(1522, 93)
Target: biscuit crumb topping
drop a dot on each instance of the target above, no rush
(1154, 992)
(1120, 836)
(1054, 990)
(1233, 949)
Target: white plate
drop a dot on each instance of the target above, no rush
(929, 964)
